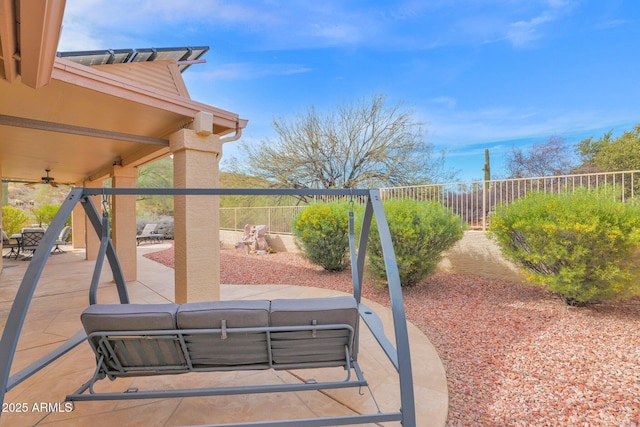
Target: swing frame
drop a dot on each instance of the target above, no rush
(398, 353)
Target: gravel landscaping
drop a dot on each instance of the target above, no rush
(514, 354)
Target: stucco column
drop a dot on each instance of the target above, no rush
(123, 225)
(2, 196)
(196, 218)
(78, 227)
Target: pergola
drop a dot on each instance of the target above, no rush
(91, 117)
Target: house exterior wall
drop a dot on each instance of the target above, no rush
(162, 75)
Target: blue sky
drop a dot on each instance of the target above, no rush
(479, 74)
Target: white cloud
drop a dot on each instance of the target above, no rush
(612, 23)
(458, 129)
(446, 101)
(95, 24)
(247, 70)
(338, 33)
(523, 33)
(285, 25)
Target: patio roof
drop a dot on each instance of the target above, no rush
(79, 120)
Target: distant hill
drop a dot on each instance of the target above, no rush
(237, 180)
(27, 197)
(21, 195)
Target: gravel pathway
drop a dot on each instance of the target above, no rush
(514, 354)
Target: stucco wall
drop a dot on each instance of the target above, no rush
(475, 254)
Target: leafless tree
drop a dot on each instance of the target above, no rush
(549, 158)
(366, 143)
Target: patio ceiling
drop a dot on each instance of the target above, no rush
(78, 120)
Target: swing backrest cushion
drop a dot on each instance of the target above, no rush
(219, 348)
(132, 354)
(323, 345)
(129, 317)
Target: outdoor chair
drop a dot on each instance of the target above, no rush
(31, 238)
(62, 240)
(148, 234)
(12, 243)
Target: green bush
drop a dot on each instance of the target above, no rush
(44, 214)
(13, 220)
(322, 233)
(582, 245)
(421, 232)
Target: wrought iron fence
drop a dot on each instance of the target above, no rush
(473, 201)
(278, 218)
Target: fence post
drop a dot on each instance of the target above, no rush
(487, 178)
(484, 205)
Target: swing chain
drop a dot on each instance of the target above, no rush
(105, 205)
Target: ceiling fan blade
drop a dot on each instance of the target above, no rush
(53, 184)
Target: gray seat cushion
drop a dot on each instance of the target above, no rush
(237, 313)
(129, 317)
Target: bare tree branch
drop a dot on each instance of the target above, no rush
(549, 158)
(366, 143)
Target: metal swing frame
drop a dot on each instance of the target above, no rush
(398, 353)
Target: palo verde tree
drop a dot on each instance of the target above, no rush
(582, 245)
(365, 143)
(609, 154)
(158, 174)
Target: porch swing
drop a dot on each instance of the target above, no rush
(131, 340)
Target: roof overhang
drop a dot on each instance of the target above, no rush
(183, 57)
(80, 121)
(29, 35)
(86, 120)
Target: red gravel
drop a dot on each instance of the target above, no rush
(514, 354)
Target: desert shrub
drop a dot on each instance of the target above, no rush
(44, 214)
(322, 234)
(581, 245)
(421, 232)
(13, 220)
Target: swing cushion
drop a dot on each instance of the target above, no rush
(325, 311)
(226, 347)
(132, 354)
(314, 346)
(236, 313)
(145, 339)
(129, 317)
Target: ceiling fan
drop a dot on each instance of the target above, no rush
(44, 180)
